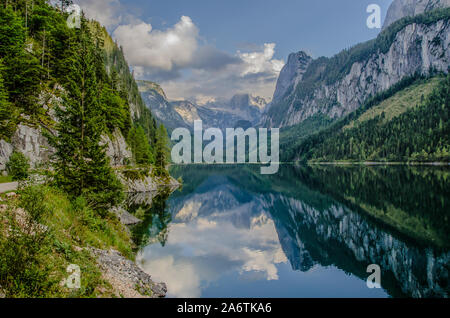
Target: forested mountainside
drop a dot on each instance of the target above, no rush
(242, 109)
(336, 86)
(408, 122)
(70, 107)
(34, 78)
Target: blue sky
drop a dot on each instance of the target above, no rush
(211, 49)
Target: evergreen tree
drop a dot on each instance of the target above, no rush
(82, 167)
(161, 150)
(140, 147)
(22, 69)
(6, 109)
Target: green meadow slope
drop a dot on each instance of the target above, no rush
(408, 122)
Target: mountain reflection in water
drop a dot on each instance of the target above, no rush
(305, 232)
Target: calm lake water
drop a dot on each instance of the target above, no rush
(304, 232)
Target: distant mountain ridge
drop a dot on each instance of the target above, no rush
(241, 108)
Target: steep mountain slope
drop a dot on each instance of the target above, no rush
(44, 48)
(336, 86)
(155, 99)
(410, 122)
(407, 8)
(291, 74)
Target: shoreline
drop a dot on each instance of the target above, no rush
(378, 163)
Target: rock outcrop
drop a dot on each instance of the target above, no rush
(417, 48)
(34, 145)
(291, 74)
(407, 8)
(126, 278)
(117, 149)
(135, 181)
(31, 142)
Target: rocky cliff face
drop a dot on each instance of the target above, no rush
(117, 149)
(291, 74)
(416, 48)
(406, 8)
(31, 142)
(155, 99)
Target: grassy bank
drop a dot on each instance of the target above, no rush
(42, 232)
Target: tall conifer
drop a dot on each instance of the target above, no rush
(81, 165)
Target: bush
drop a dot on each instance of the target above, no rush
(24, 268)
(18, 166)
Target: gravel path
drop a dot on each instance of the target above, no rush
(5, 187)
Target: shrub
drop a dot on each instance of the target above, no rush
(24, 248)
(18, 166)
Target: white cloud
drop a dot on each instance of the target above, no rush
(257, 73)
(163, 50)
(107, 12)
(261, 62)
(184, 64)
(200, 250)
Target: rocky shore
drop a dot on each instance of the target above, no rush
(125, 277)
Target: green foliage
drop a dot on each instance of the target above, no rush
(162, 151)
(140, 146)
(82, 167)
(37, 56)
(22, 69)
(292, 137)
(136, 174)
(121, 79)
(37, 246)
(418, 134)
(23, 247)
(7, 126)
(18, 166)
(116, 110)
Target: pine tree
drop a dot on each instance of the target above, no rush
(140, 147)
(6, 109)
(161, 150)
(81, 166)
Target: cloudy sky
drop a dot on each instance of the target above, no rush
(203, 50)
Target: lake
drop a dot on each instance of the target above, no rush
(308, 231)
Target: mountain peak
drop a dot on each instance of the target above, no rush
(291, 73)
(405, 8)
(146, 86)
